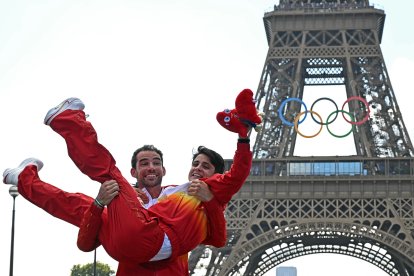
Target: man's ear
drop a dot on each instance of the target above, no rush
(164, 171)
(134, 173)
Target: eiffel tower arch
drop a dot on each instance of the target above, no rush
(362, 205)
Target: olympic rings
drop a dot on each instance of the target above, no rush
(297, 122)
(297, 119)
(286, 122)
(366, 105)
(320, 122)
(352, 125)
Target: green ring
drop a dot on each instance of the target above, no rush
(352, 125)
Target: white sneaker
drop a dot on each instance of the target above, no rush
(11, 176)
(70, 103)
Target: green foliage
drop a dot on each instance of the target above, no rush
(87, 270)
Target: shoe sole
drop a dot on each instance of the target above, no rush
(66, 104)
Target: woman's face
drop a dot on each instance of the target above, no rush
(201, 167)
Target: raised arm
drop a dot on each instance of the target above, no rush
(239, 120)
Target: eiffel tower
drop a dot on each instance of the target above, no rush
(361, 205)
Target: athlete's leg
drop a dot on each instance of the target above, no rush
(69, 207)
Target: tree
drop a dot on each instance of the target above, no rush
(87, 270)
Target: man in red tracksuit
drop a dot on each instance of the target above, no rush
(129, 225)
(130, 233)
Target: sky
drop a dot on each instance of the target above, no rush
(149, 72)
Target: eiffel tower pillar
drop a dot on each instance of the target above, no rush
(361, 206)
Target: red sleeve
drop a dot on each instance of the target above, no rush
(89, 229)
(224, 186)
(217, 231)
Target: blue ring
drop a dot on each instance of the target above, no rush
(283, 105)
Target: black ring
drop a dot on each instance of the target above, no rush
(332, 101)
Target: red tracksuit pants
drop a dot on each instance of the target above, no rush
(69, 207)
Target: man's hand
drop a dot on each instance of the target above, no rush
(109, 189)
(200, 190)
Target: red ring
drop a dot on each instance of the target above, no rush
(363, 101)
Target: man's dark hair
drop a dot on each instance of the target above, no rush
(215, 158)
(145, 148)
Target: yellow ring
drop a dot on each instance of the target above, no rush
(297, 119)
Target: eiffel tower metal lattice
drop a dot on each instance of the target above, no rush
(361, 206)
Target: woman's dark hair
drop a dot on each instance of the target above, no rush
(145, 148)
(215, 158)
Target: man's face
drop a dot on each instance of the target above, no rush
(201, 167)
(149, 169)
